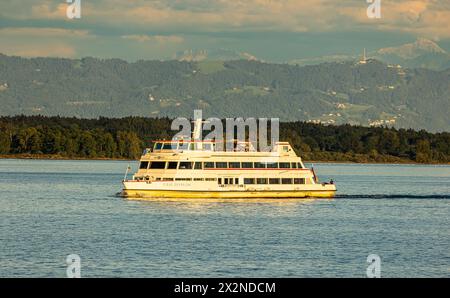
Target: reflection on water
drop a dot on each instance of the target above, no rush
(50, 209)
(233, 205)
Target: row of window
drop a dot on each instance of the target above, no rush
(206, 146)
(178, 179)
(184, 146)
(230, 181)
(198, 165)
(274, 180)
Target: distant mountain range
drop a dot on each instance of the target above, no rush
(357, 92)
(422, 53)
(213, 55)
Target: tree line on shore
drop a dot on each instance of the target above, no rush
(125, 138)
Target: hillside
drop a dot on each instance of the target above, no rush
(59, 137)
(331, 93)
(422, 53)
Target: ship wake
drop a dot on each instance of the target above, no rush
(392, 196)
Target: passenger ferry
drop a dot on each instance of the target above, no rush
(196, 169)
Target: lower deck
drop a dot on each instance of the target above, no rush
(136, 193)
(191, 189)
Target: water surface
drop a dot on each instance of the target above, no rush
(50, 209)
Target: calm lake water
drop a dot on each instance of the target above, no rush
(50, 209)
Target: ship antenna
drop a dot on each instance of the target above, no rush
(126, 172)
(316, 180)
(197, 132)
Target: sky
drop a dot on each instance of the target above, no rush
(271, 30)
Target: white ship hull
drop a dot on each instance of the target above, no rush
(161, 189)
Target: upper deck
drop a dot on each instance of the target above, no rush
(214, 148)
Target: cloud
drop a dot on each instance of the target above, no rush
(145, 28)
(31, 9)
(44, 32)
(429, 17)
(42, 42)
(38, 50)
(45, 10)
(160, 39)
(209, 16)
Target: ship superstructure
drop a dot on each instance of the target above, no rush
(197, 169)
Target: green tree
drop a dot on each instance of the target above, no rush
(389, 142)
(128, 144)
(52, 141)
(109, 145)
(5, 142)
(28, 140)
(88, 144)
(423, 151)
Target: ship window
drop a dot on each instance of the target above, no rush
(249, 180)
(299, 165)
(260, 165)
(274, 181)
(272, 165)
(286, 180)
(191, 146)
(221, 165)
(143, 165)
(157, 165)
(261, 180)
(158, 146)
(185, 165)
(219, 181)
(299, 180)
(207, 147)
(168, 179)
(183, 146)
(236, 180)
(183, 179)
(247, 165)
(198, 179)
(172, 165)
(198, 165)
(210, 179)
(293, 165)
(168, 146)
(234, 165)
(209, 165)
(158, 179)
(285, 148)
(285, 165)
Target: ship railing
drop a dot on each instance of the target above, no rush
(204, 145)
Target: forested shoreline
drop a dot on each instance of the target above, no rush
(125, 138)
